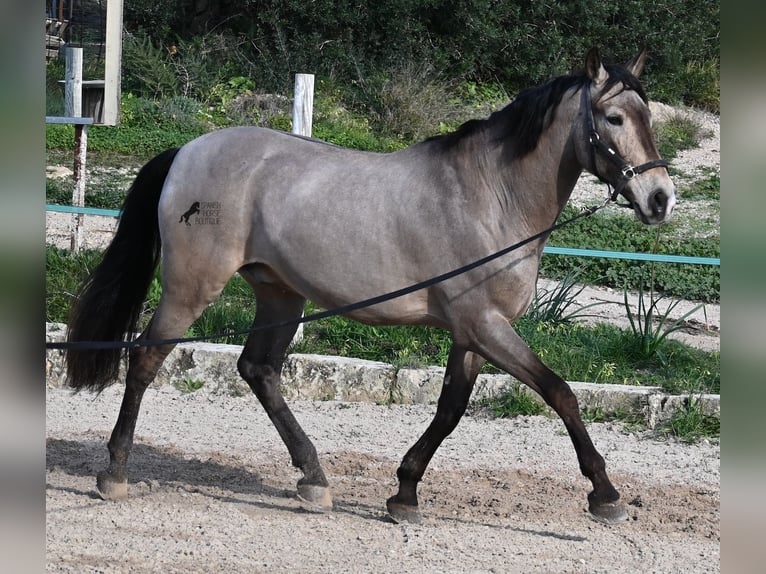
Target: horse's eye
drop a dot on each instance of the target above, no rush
(614, 120)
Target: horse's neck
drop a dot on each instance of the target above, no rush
(539, 184)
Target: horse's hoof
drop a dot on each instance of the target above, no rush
(403, 512)
(316, 497)
(111, 489)
(608, 512)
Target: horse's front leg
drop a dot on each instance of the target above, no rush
(501, 345)
(462, 369)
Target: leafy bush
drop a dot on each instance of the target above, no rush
(59, 136)
(146, 128)
(694, 83)
(676, 133)
(190, 68)
(516, 44)
(146, 68)
(411, 101)
(559, 303)
(650, 322)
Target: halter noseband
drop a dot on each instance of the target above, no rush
(627, 171)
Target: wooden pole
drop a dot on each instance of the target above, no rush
(78, 194)
(73, 82)
(73, 108)
(303, 104)
(113, 63)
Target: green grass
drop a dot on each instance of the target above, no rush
(106, 193)
(63, 274)
(691, 424)
(707, 188)
(406, 346)
(517, 401)
(187, 385)
(630, 419)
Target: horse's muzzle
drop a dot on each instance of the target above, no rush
(659, 207)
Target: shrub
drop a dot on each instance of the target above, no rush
(190, 68)
(411, 101)
(146, 127)
(516, 44)
(677, 132)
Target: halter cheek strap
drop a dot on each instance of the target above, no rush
(627, 171)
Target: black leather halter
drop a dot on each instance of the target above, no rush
(627, 171)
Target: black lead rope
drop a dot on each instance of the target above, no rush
(342, 310)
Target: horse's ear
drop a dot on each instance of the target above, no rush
(594, 68)
(636, 65)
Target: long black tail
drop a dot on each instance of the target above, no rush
(110, 301)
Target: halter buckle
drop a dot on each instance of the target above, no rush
(628, 172)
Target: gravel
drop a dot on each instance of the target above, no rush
(212, 490)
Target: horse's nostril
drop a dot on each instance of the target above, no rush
(658, 201)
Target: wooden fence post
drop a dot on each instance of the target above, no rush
(303, 104)
(73, 109)
(73, 82)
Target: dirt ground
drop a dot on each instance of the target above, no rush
(212, 490)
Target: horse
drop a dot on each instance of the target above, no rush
(300, 219)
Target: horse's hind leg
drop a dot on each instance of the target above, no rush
(143, 364)
(261, 366)
(175, 313)
(462, 369)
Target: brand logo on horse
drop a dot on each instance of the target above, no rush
(208, 213)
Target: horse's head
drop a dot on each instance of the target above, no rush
(617, 143)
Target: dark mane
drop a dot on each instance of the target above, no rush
(520, 124)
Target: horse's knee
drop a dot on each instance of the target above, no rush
(263, 379)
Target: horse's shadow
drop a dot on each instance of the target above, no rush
(153, 465)
(222, 482)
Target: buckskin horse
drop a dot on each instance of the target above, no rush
(300, 219)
